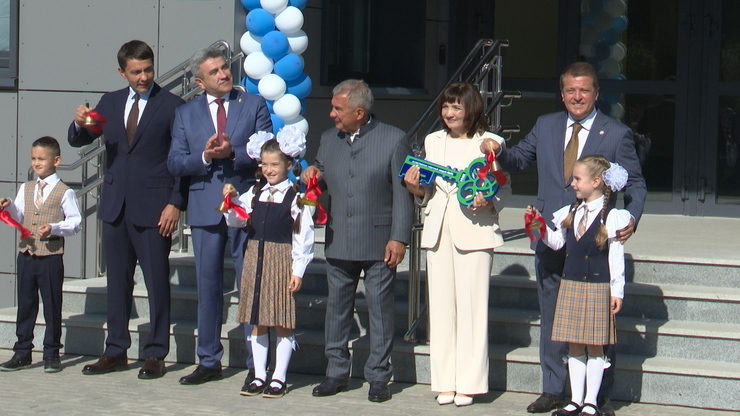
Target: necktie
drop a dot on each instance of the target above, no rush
(571, 153)
(133, 120)
(271, 197)
(582, 224)
(220, 119)
(39, 194)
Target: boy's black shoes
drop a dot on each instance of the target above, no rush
(18, 362)
(52, 365)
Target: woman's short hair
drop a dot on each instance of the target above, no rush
(469, 96)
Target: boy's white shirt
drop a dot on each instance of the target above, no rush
(72, 222)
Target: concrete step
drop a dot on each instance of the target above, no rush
(639, 378)
(674, 302)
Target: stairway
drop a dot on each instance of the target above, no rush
(679, 340)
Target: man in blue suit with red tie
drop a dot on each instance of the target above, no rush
(209, 144)
(140, 205)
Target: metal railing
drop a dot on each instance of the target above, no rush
(177, 80)
(483, 68)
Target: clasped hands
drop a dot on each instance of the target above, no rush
(214, 150)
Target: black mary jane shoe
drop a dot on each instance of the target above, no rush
(274, 392)
(593, 406)
(254, 388)
(563, 412)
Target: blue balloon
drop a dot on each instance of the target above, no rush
(609, 36)
(251, 4)
(289, 68)
(270, 103)
(277, 123)
(300, 4)
(304, 166)
(250, 85)
(620, 24)
(259, 22)
(275, 44)
(300, 87)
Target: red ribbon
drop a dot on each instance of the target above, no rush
(241, 213)
(99, 120)
(491, 166)
(531, 218)
(6, 218)
(312, 195)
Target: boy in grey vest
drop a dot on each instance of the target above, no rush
(48, 208)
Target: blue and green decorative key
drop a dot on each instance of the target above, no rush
(468, 183)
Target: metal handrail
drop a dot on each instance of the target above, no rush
(96, 150)
(481, 67)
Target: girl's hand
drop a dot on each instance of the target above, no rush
(230, 190)
(478, 202)
(616, 305)
(532, 210)
(411, 179)
(295, 284)
(4, 203)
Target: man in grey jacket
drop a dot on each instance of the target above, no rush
(370, 214)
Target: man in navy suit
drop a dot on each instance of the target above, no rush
(595, 133)
(140, 205)
(209, 139)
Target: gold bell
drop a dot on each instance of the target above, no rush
(222, 207)
(89, 121)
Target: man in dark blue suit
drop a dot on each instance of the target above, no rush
(589, 131)
(209, 139)
(140, 205)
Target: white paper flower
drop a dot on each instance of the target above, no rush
(256, 140)
(292, 141)
(615, 177)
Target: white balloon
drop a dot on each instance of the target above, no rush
(619, 51)
(615, 7)
(250, 43)
(274, 6)
(609, 69)
(287, 107)
(289, 21)
(257, 65)
(300, 123)
(617, 111)
(298, 42)
(271, 87)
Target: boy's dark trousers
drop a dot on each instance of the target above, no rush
(39, 274)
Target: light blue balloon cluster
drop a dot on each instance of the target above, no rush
(273, 44)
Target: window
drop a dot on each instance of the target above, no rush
(8, 43)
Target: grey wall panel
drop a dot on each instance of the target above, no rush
(71, 45)
(43, 113)
(7, 291)
(8, 134)
(188, 25)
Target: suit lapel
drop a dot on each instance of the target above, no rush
(117, 123)
(236, 106)
(559, 143)
(151, 108)
(596, 135)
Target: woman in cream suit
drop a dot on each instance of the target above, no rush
(460, 242)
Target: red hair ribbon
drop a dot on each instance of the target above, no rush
(241, 213)
(312, 198)
(98, 119)
(494, 167)
(533, 222)
(6, 218)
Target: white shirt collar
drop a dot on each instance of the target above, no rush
(586, 123)
(281, 187)
(50, 180)
(594, 205)
(145, 96)
(211, 99)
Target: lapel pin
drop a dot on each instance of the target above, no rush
(240, 99)
(601, 132)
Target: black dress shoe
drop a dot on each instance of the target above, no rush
(605, 407)
(331, 386)
(563, 412)
(106, 364)
(52, 365)
(545, 403)
(17, 362)
(201, 375)
(153, 368)
(379, 392)
(247, 381)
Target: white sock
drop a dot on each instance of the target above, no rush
(577, 372)
(594, 373)
(260, 344)
(283, 351)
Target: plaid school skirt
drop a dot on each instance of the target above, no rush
(583, 315)
(265, 298)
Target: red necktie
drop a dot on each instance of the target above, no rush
(220, 119)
